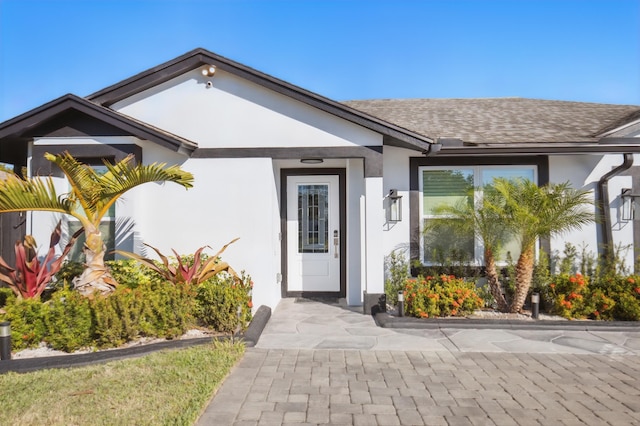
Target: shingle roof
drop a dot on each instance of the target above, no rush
(500, 120)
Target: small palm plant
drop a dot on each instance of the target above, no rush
(485, 221)
(531, 212)
(89, 200)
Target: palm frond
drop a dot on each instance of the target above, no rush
(35, 194)
(124, 176)
(82, 178)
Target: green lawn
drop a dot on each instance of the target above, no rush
(168, 387)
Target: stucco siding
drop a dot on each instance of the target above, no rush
(396, 176)
(236, 113)
(584, 172)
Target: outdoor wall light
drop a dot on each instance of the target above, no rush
(394, 207)
(312, 161)
(209, 71)
(628, 203)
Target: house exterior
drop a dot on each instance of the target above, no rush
(318, 191)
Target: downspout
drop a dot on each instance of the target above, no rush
(602, 202)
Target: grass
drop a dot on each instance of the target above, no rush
(168, 387)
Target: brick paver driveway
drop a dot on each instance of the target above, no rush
(318, 365)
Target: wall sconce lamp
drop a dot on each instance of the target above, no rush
(394, 208)
(209, 71)
(628, 204)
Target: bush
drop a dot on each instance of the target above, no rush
(169, 308)
(6, 294)
(68, 321)
(568, 293)
(129, 273)
(153, 309)
(440, 296)
(69, 270)
(27, 322)
(610, 297)
(397, 271)
(218, 300)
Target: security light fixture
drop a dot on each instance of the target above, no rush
(209, 71)
(312, 161)
(628, 204)
(394, 207)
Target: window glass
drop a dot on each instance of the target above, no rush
(313, 229)
(446, 187)
(449, 186)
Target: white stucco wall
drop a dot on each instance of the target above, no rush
(236, 113)
(396, 176)
(584, 172)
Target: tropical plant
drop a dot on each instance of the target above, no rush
(187, 271)
(530, 212)
(89, 200)
(30, 276)
(486, 221)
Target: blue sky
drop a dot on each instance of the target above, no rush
(579, 50)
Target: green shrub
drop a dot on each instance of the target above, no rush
(129, 273)
(627, 307)
(107, 323)
(570, 296)
(153, 309)
(609, 297)
(169, 308)
(6, 294)
(440, 296)
(68, 321)
(397, 270)
(218, 300)
(70, 269)
(27, 322)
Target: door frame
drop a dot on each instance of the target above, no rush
(342, 197)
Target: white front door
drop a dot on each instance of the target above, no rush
(313, 233)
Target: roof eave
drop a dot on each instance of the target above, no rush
(22, 124)
(604, 146)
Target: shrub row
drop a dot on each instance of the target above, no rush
(142, 306)
(612, 297)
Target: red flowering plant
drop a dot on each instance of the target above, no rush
(440, 296)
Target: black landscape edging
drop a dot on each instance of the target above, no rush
(258, 322)
(385, 320)
(250, 337)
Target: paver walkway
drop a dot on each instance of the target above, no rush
(323, 364)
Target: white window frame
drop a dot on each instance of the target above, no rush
(478, 254)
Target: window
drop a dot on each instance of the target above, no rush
(313, 229)
(450, 186)
(107, 228)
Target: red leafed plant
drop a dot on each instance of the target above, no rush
(30, 277)
(194, 272)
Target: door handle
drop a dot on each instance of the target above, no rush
(336, 243)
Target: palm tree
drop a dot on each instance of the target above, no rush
(533, 212)
(89, 200)
(485, 221)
